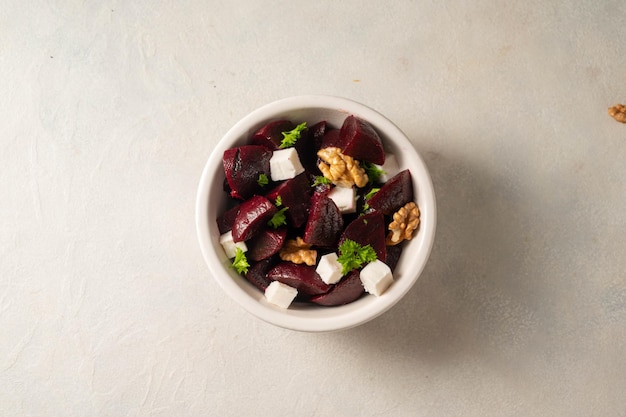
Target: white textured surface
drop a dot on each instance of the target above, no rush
(110, 110)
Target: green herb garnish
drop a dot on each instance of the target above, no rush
(279, 218)
(353, 255)
(279, 201)
(263, 180)
(291, 137)
(367, 196)
(371, 193)
(321, 180)
(240, 263)
(373, 171)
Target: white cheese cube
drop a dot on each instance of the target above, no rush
(390, 168)
(376, 277)
(279, 294)
(285, 164)
(329, 269)
(344, 198)
(229, 246)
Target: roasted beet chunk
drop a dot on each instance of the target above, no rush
(243, 167)
(225, 220)
(345, 291)
(331, 139)
(252, 217)
(257, 273)
(295, 194)
(300, 276)
(360, 141)
(266, 243)
(394, 194)
(393, 256)
(368, 229)
(271, 135)
(325, 223)
(316, 133)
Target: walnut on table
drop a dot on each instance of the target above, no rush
(618, 112)
(404, 224)
(341, 169)
(298, 251)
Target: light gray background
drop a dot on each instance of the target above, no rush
(109, 110)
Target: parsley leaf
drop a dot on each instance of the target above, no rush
(240, 263)
(367, 196)
(320, 180)
(279, 218)
(291, 137)
(371, 193)
(373, 171)
(279, 201)
(353, 255)
(263, 180)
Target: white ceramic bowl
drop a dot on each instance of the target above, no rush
(211, 201)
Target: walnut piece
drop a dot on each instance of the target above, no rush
(298, 252)
(405, 222)
(341, 169)
(618, 112)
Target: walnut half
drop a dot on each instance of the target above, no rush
(341, 169)
(618, 112)
(404, 224)
(298, 252)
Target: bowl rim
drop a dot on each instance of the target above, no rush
(288, 318)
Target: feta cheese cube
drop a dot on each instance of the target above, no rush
(230, 247)
(376, 277)
(390, 168)
(285, 164)
(329, 269)
(279, 294)
(344, 198)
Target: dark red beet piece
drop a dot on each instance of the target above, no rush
(242, 168)
(226, 186)
(345, 291)
(271, 135)
(331, 139)
(225, 220)
(300, 276)
(295, 193)
(253, 214)
(393, 256)
(360, 141)
(316, 133)
(257, 273)
(368, 229)
(394, 194)
(266, 243)
(325, 222)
